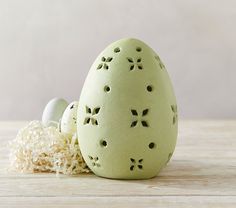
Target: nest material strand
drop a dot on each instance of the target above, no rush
(44, 149)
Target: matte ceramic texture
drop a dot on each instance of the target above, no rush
(69, 119)
(53, 112)
(127, 117)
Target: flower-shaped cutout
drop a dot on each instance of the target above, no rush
(94, 161)
(136, 164)
(138, 118)
(174, 110)
(90, 118)
(104, 63)
(135, 64)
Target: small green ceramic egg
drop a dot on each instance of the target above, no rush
(127, 118)
(53, 112)
(69, 119)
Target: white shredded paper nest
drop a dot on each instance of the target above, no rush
(45, 149)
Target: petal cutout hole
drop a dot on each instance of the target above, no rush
(144, 123)
(133, 124)
(134, 112)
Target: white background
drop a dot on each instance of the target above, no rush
(48, 46)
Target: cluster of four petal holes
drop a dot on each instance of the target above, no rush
(135, 63)
(94, 161)
(134, 164)
(91, 113)
(104, 64)
(144, 123)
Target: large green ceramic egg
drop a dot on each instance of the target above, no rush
(127, 118)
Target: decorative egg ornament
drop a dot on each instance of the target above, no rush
(69, 119)
(53, 112)
(127, 117)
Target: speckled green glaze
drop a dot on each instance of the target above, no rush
(127, 117)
